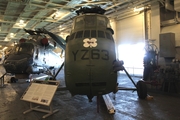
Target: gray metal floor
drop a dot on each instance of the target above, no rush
(127, 105)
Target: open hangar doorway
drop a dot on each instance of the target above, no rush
(130, 42)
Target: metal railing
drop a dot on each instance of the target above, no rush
(2, 80)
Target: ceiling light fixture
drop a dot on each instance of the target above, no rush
(60, 27)
(5, 48)
(12, 35)
(138, 9)
(21, 22)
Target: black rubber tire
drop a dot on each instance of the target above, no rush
(141, 89)
(13, 80)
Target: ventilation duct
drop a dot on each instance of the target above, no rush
(177, 18)
(177, 5)
(169, 5)
(174, 21)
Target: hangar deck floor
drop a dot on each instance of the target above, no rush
(127, 105)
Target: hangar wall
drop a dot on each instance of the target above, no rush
(157, 29)
(132, 31)
(155, 23)
(174, 29)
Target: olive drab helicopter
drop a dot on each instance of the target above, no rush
(90, 65)
(33, 56)
(90, 57)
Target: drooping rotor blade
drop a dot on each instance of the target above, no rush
(58, 39)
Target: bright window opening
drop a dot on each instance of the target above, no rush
(132, 55)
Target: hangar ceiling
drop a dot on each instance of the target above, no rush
(54, 15)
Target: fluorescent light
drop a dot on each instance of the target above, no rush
(138, 9)
(5, 48)
(12, 35)
(21, 22)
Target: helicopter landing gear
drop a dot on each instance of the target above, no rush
(141, 89)
(13, 80)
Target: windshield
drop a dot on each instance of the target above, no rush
(91, 21)
(23, 48)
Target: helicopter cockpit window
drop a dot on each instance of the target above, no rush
(86, 33)
(72, 36)
(79, 34)
(101, 34)
(101, 21)
(108, 36)
(93, 33)
(26, 48)
(90, 21)
(79, 22)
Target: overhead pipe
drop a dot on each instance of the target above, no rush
(3, 21)
(115, 6)
(168, 6)
(127, 16)
(120, 3)
(25, 18)
(124, 7)
(176, 20)
(177, 5)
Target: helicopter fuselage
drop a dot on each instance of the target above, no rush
(90, 53)
(30, 58)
